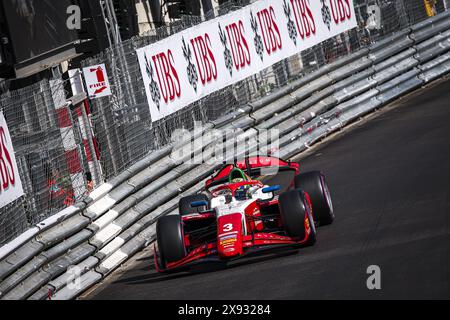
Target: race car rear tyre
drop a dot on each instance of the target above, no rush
(184, 205)
(293, 209)
(170, 238)
(312, 225)
(314, 184)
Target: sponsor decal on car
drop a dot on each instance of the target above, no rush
(229, 250)
(228, 242)
(228, 237)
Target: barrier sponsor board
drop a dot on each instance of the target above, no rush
(10, 184)
(198, 61)
(97, 82)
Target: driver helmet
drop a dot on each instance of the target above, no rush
(242, 193)
(237, 175)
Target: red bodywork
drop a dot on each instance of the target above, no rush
(230, 241)
(255, 162)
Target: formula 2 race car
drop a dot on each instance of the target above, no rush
(255, 204)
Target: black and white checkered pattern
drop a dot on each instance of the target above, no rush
(226, 53)
(154, 89)
(291, 26)
(257, 40)
(326, 15)
(191, 69)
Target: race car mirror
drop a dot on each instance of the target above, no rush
(271, 189)
(197, 204)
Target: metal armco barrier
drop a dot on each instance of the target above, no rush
(95, 237)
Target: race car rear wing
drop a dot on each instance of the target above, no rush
(253, 167)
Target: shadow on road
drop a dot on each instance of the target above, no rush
(209, 267)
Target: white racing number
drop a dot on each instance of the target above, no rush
(227, 227)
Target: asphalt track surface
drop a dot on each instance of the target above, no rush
(390, 183)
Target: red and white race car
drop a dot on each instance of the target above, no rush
(255, 204)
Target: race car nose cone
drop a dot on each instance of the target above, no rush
(229, 235)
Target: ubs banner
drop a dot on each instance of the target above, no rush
(10, 184)
(203, 59)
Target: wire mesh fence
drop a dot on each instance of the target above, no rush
(122, 124)
(42, 130)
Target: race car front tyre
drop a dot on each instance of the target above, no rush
(314, 184)
(170, 238)
(184, 205)
(294, 208)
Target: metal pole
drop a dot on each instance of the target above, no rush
(117, 43)
(114, 28)
(106, 23)
(96, 174)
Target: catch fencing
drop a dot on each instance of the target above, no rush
(124, 130)
(47, 135)
(119, 126)
(88, 241)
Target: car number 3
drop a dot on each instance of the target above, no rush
(227, 227)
